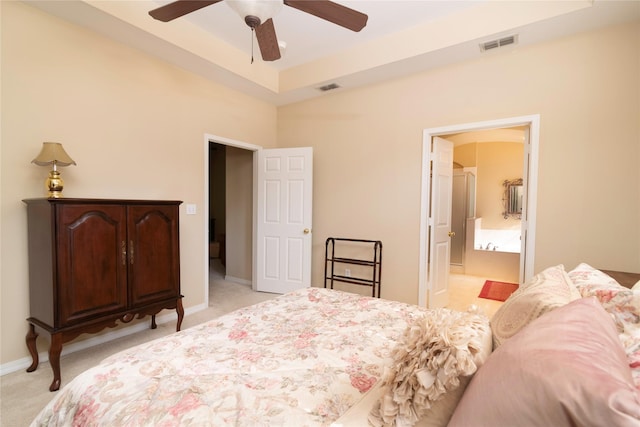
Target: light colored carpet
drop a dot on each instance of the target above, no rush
(23, 394)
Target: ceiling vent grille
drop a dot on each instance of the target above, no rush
(330, 86)
(494, 44)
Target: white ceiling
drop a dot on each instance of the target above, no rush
(401, 37)
(309, 38)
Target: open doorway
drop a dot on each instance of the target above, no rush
(230, 217)
(229, 214)
(431, 269)
(486, 225)
(231, 211)
(252, 200)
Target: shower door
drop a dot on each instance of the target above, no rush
(462, 207)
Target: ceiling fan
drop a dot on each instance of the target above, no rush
(257, 15)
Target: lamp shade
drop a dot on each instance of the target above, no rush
(53, 153)
(262, 9)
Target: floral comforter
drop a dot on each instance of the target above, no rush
(301, 359)
(621, 303)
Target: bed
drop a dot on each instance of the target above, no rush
(563, 350)
(301, 359)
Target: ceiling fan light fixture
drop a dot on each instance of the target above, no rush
(260, 9)
(257, 15)
(282, 45)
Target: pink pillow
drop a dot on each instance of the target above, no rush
(566, 368)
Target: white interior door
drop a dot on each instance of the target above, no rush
(283, 219)
(441, 157)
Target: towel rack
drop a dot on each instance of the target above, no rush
(342, 252)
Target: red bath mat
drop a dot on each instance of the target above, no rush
(498, 291)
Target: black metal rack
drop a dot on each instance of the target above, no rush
(375, 263)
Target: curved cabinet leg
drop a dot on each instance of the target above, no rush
(153, 321)
(180, 311)
(54, 360)
(31, 345)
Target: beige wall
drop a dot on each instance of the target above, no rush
(367, 146)
(497, 161)
(465, 154)
(134, 125)
(239, 240)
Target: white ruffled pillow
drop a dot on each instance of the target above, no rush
(433, 364)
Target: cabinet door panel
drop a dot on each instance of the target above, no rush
(154, 268)
(92, 261)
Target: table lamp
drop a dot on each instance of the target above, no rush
(52, 153)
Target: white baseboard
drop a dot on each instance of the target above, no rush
(237, 280)
(25, 362)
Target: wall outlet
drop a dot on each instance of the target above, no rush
(347, 272)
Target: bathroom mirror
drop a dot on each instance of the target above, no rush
(513, 195)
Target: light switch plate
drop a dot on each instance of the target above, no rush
(191, 209)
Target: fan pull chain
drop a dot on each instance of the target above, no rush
(252, 30)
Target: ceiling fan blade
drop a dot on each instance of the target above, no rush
(268, 41)
(332, 12)
(179, 8)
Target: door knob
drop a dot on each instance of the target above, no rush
(452, 233)
(307, 231)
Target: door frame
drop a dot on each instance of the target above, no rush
(208, 138)
(533, 123)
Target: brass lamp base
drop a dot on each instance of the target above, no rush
(54, 185)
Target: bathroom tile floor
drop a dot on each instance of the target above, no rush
(464, 291)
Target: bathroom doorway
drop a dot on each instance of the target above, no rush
(486, 241)
(429, 270)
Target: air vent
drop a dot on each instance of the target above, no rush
(494, 44)
(330, 86)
